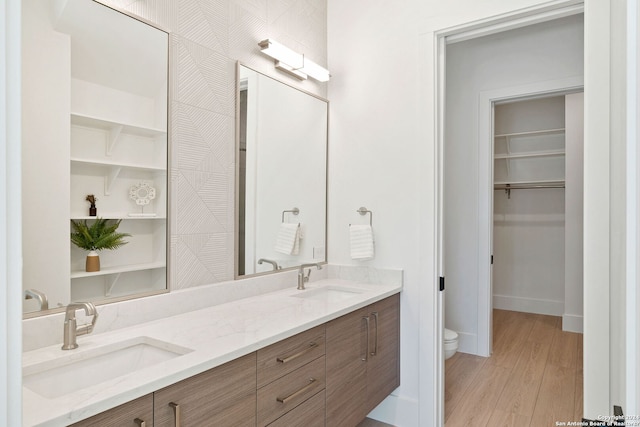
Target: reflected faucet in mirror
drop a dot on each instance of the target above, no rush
(302, 279)
(38, 296)
(71, 329)
(268, 261)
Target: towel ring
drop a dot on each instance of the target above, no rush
(363, 211)
(294, 211)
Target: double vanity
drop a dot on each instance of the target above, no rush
(285, 357)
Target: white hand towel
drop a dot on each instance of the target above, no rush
(288, 240)
(361, 238)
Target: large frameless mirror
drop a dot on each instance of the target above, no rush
(282, 175)
(95, 148)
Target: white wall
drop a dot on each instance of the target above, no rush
(528, 249)
(383, 156)
(10, 222)
(547, 51)
(574, 190)
(597, 138)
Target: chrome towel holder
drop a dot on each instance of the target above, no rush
(363, 211)
(294, 211)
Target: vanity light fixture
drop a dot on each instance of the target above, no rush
(293, 62)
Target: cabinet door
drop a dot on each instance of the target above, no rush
(223, 396)
(130, 414)
(383, 369)
(346, 355)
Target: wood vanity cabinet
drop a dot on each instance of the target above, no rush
(222, 396)
(331, 375)
(383, 366)
(363, 363)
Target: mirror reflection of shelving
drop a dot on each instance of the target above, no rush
(533, 157)
(108, 159)
(119, 142)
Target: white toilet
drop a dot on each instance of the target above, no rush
(450, 343)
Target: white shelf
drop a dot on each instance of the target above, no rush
(528, 155)
(110, 170)
(117, 270)
(531, 133)
(96, 122)
(117, 216)
(525, 158)
(111, 165)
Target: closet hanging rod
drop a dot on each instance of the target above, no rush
(526, 186)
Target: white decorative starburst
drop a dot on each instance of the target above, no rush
(142, 193)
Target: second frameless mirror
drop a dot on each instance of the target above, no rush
(282, 175)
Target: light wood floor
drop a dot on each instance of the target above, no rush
(533, 378)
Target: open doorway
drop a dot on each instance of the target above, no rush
(540, 63)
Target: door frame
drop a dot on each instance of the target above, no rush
(487, 101)
(443, 37)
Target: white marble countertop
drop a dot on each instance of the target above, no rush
(215, 335)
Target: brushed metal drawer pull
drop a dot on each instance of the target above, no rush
(176, 413)
(297, 393)
(140, 422)
(286, 359)
(366, 350)
(375, 343)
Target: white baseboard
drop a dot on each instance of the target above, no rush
(397, 411)
(528, 305)
(572, 323)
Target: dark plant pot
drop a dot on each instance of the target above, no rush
(93, 211)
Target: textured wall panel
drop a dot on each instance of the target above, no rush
(204, 139)
(205, 22)
(205, 78)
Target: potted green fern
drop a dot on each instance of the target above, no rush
(96, 237)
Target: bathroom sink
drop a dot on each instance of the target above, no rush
(75, 371)
(329, 294)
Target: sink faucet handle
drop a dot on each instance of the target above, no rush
(89, 310)
(306, 276)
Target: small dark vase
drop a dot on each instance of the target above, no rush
(93, 210)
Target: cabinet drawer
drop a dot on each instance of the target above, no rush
(286, 356)
(286, 393)
(222, 396)
(123, 415)
(307, 414)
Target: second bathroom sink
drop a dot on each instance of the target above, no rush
(329, 294)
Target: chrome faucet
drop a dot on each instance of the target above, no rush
(302, 279)
(39, 296)
(268, 261)
(71, 330)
